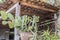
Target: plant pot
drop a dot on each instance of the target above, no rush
(25, 35)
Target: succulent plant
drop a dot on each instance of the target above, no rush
(24, 23)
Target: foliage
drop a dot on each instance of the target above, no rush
(46, 35)
(27, 24)
(35, 36)
(10, 16)
(3, 15)
(4, 22)
(24, 23)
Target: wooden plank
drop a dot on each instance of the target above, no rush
(37, 7)
(41, 4)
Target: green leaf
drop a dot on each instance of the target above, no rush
(4, 22)
(3, 15)
(10, 16)
(10, 24)
(16, 23)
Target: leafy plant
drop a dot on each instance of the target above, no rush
(7, 19)
(27, 24)
(46, 35)
(10, 16)
(24, 23)
(3, 15)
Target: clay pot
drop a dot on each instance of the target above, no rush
(25, 35)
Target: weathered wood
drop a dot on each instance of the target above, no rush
(38, 4)
(6, 5)
(41, 8)
(42, 16)
(31, 3)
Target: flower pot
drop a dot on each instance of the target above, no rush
(25, 35)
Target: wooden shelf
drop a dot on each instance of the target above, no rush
(40, 6)
(45, 7)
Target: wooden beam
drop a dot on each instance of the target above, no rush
(37, 7)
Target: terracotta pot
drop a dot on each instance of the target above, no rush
(25, 35)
